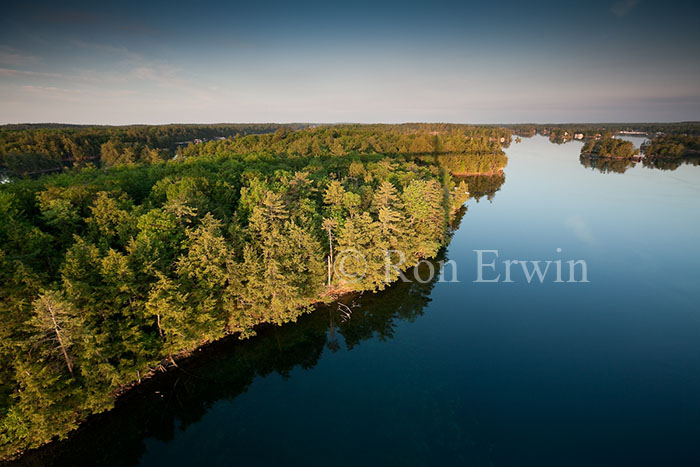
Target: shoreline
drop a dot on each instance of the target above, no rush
(168, 365)
(479, 174)
(327, 296)
(598, 156)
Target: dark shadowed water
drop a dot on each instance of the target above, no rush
(599, 373)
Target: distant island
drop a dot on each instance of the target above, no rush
(668, 145)
(673, 146)
(609, 148)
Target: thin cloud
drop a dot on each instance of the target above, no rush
(167, 77)
(623, 7)
(49, 89)
(75, 94)
(13, 57)
(10, 72)
(108, 49)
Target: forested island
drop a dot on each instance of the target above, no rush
(674, 146)
(116, 268)
(664, 152)
(609, 148)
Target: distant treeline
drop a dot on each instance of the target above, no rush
(29, 150)
(561, 133)
(342, 140)
(35, 149)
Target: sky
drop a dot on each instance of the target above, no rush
(360, 61)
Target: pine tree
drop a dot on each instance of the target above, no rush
(55, 324)
(329, 225)
(386, 196)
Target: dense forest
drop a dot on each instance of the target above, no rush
(36, 149)
(108, 274)
(610, 148)
(226, 370)
(460, 149)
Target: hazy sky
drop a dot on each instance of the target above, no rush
(359, 61)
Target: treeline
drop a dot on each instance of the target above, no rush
(471, 164)
(460, 149)
(673, 147)
(35, 149)
(105, 275)
(342, 140)
(26, 150)
(561, 132)
(611, 148)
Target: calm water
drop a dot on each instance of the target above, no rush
(599, 373)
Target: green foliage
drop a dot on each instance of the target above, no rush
(611, 148)
(107, 275)
(343, 140)
(673, 147)
(37, 149)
